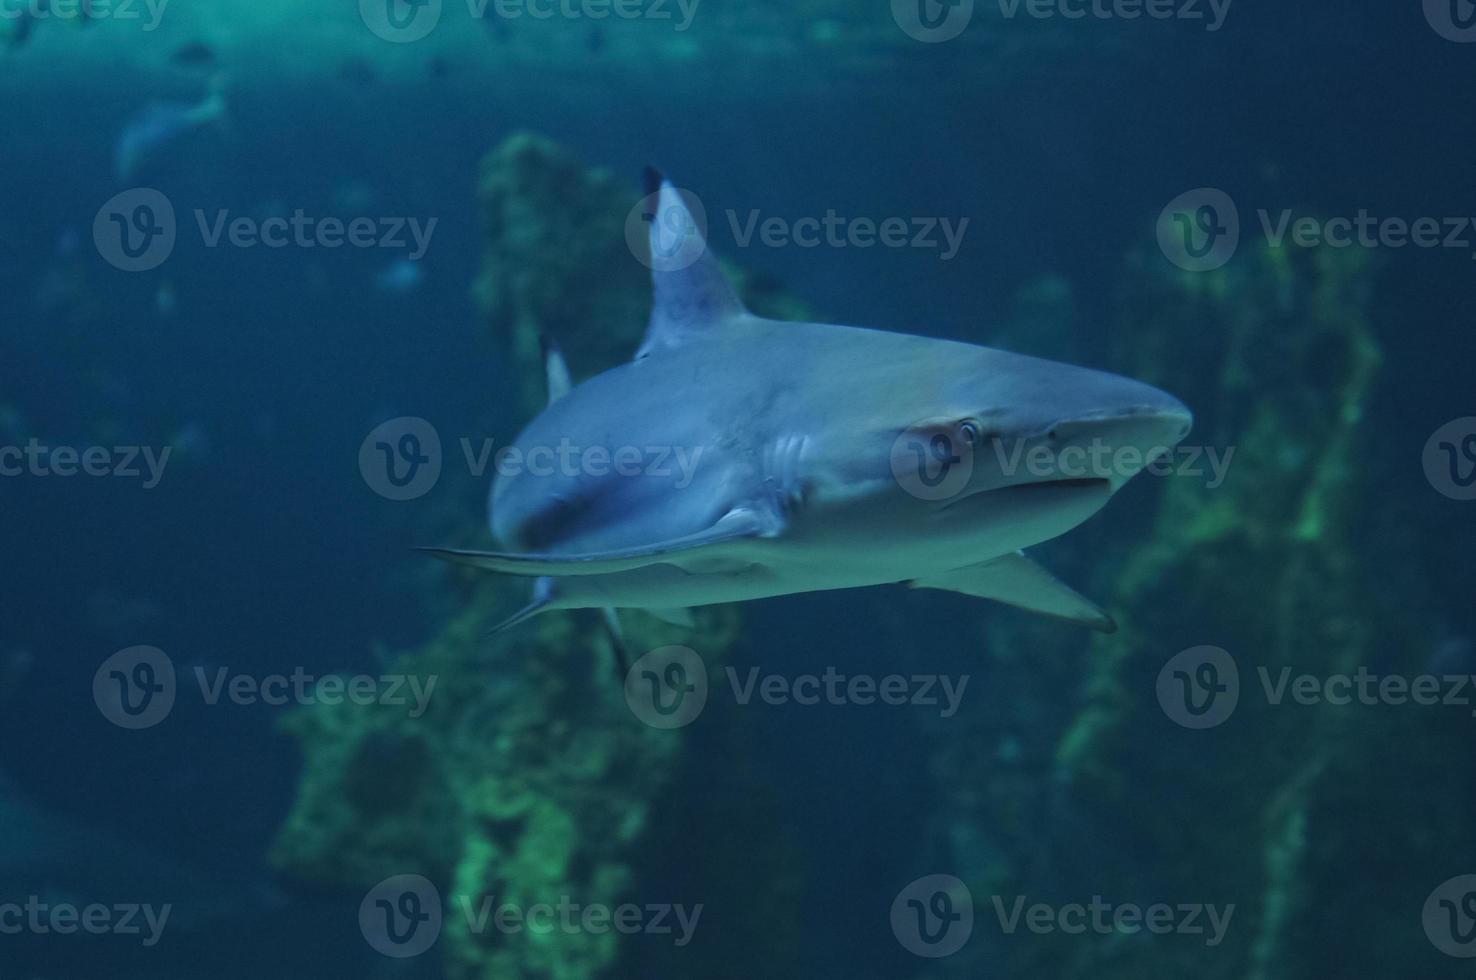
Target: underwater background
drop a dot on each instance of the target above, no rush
(197, 538)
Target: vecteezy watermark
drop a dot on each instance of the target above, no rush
(670, 686)
(1450, 459)
(138, 687)
(403, 916)
(1200, 688)
(680, 12)
(933, 916)
(835, 231)
(151, 12)
(38, 917)
(667, 688)
(1102, 918)
(937, 460)
(1450, 917)
(1454, 20)
(1200, 230)
(667, 230)
(1211, 12)
(37, 460)
(407, 21)
(933, 21)
(137, 230)
(936, 21)
(401, 21)
(401, 460)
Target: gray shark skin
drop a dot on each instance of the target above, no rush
(778, 458)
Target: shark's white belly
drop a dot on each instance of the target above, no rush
(847, 554)
(665, 586)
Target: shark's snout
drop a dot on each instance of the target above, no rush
(1122, 437)
(1065, 425)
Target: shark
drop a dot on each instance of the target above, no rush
(813, 457)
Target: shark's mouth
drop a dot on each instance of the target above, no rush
(1069, 487)
(1080, 483)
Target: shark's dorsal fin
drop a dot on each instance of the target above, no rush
(692, 294)
(555, 369)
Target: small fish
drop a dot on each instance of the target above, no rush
(400, 277)
(20, 34)
(166, 301)
(159, 124)
(195, 55)
(15, 666)
(498, 29)
(358, 72)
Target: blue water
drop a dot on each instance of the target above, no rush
(263, 550)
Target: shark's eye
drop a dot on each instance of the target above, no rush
(968, 432)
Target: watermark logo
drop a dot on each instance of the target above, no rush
(39, 917)
(135, 688)
(86, 11)
(1450, 917)
(401, 916)
(406, 21)
(933, 916)
(1454, 20)
(667, 688)
(138, 688)
(667, 231)
(1450, 459)
(136, 230)
(401, 21)
(861, 690)
(1212, 12)
(401, 458)
(1199, 230)
(1200, 687)
(942, 235)
(41, 461)
(933, 21)
(1102, 918)
(934, 460)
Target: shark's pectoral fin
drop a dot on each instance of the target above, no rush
(619, 651)
(735, 526)
(1018, 581)
(543, 597)
(675, 616)
(555, 369)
